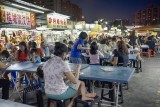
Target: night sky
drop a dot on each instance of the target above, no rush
(112, 9)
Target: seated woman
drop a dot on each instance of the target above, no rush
(126, 40)
(95, 54)
(22, 55)
(121, 57)
(55, 71)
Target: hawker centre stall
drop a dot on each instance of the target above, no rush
(14, 23)
(18, 20)
(91, 29)
(58, 28)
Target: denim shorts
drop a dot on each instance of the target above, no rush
(75, 60)
(69, 93)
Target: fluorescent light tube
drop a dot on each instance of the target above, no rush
(27, 8)
(37, 11)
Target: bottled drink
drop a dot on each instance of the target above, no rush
(47, 51)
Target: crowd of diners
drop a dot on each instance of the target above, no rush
(56, 70)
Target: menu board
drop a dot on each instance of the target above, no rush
(17, 17)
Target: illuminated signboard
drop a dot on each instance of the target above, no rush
(57, 21)
(17, 17)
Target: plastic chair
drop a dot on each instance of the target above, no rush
(39, 96)
(14, 81)
(148, 52)
(28, 90)
(13, 74)
(152, 53)
(144, 50)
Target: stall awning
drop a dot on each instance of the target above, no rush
(22, 5)
(39, 13)
(143, 28)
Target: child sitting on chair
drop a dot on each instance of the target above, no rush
(95, 54)
(35, 58)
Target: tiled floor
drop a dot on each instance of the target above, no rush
(144, 87)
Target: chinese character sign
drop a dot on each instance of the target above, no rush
(33, 20)
(2, 13)
(17, 17)
(56, 22)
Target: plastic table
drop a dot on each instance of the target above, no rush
(118, 75)
(73, 66)
(144, 46)
(107, 73)
(7, 103)
(87, 56)
(22, 66)
(134, 50)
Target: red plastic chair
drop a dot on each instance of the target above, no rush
(152, 53)
(148, 53)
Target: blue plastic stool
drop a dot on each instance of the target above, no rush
(14, 76)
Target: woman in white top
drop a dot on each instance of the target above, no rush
(95, 54)
(55, 71)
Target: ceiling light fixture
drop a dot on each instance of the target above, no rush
(27, 8)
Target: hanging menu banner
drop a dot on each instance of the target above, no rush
(56, 22)
(17, 17)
